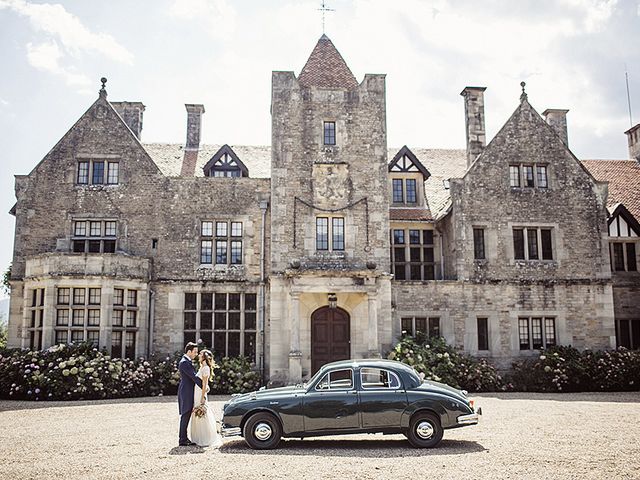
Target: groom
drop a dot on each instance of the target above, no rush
(188, 380)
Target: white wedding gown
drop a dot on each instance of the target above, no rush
(203, 429)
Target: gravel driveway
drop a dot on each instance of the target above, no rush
(520, 436)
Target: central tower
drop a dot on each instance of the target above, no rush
(329, 217)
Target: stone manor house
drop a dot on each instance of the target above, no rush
(327, 244)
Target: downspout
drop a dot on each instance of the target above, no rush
(441, 235)
(152, 312)
(262, 312)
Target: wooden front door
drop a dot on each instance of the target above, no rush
(330, 337)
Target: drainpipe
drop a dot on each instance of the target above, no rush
(262, 312)
(152, 312)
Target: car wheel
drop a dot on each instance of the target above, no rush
(262, 431)
(425, 430)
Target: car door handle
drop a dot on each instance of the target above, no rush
(353, 392)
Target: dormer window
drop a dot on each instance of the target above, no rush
(405, 170)
(225, 163)
(329, 133)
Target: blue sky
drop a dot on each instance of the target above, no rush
(165, 53)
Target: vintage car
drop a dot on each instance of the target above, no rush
(351, 396)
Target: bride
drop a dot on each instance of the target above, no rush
(203, 428)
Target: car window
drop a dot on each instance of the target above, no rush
(336, 380)
(378, 378)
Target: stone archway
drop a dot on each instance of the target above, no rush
(330, 336)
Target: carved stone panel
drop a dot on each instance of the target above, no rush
(331, 185)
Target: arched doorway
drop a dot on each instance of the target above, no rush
(330, 336)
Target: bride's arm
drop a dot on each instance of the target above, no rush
(205, 383)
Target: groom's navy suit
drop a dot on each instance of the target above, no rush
(188, 380)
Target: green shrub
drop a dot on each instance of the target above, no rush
(74, 372)
(234, 375)
(437, 361)
(566, 369)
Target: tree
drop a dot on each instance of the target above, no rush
(6, 287)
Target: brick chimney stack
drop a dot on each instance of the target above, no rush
(131, 113)
(633, 137)
(557, 118)
(192, 145)
(474, 121)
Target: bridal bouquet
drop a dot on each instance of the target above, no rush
(200, 411)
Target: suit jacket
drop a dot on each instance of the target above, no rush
(188, 380)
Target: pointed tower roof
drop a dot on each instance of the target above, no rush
(326, 68)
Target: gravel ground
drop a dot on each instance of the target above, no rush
(520, 436)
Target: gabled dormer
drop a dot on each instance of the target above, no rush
(225, 163)
(407, 176)
(624, 238)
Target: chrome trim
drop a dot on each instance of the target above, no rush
(262, 431)
(424, 430)
(470, 419)
(230, 431)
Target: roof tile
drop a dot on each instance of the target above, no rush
(624, 182)
(326, 68)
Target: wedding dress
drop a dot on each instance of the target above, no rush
(203, 429)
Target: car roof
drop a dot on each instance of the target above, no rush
(370, 362)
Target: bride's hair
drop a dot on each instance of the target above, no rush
(208, 358)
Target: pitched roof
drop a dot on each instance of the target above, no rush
(410, 214)
(443, 164)
(624, 182)
(414, 164)
(326, 68)
(168, 157)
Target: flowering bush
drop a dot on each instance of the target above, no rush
(234, 375)
(566, 369)
(74, 372)
(437, 361)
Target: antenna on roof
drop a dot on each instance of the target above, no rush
(323, 8)
(626, 76)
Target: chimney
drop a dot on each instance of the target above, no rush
(557, 118)
(131, 113)
(194, 124)
(633, 137)
(474, 121)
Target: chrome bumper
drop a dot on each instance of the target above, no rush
(230, 431)
(470, 419)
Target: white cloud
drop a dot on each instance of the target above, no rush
(54, 20)
(66, 38)
(46, 57)
(218, 15)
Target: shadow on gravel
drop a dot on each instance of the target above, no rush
(357, 448)
(186, 450)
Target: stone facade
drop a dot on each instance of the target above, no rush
(148, 249)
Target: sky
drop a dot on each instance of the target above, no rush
(573, 54)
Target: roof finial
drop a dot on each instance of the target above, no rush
(103, 90)
(323, 8)
(523, 95)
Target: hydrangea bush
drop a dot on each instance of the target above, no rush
(74, 372)
(435, 360)
(566, 369)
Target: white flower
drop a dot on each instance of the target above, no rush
(543, 357)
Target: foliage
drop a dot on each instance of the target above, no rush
(437, 361)
(566, 369)
(6, 276)
(75, 372)
(3, 335)
(234, 375)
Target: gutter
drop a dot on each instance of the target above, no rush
(262, 287)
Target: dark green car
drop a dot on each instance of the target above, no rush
(347, 397)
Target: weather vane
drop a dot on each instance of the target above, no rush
(323, 8)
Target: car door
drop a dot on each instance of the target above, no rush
(382, 398)
(332, 403)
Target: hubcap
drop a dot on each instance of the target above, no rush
(263, 431)
(424, 430)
